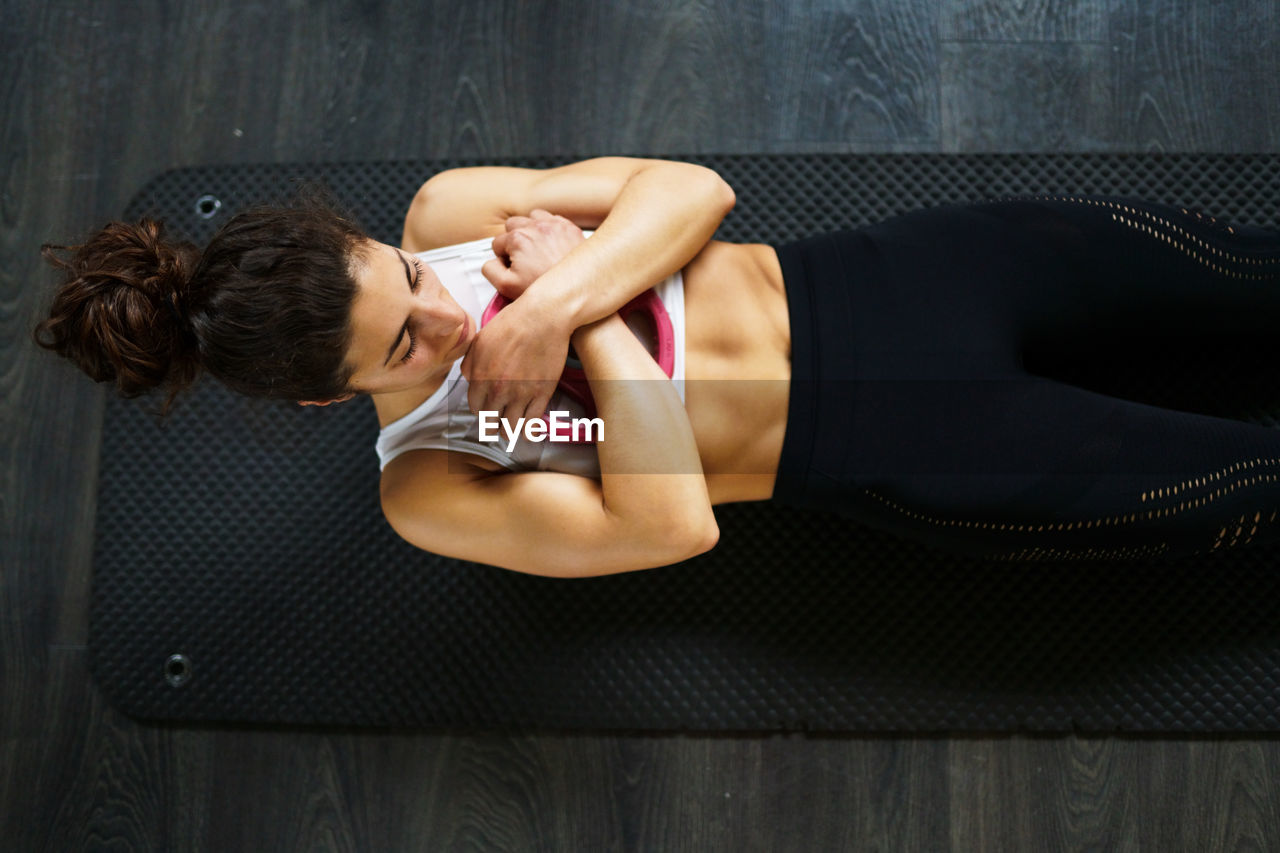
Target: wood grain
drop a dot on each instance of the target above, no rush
(98, 97)
(1024, 20)
(861, 74)
(1065, 102)
(1196, 76)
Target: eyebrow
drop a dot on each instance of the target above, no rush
(405, 328)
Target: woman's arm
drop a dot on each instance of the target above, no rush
(651, 218)
(651, 507)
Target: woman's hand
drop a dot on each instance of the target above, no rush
(530, 246)
(517, 358)
(651, 218)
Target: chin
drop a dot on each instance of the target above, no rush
(430, 378)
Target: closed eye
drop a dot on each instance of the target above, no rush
(413, 287)
(413, 346)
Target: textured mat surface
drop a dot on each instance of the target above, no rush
(245, 537)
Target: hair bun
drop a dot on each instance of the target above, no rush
(122, 311)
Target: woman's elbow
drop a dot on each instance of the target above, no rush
(721, 193)
(700, 538)
(710, 538)
(673, 544)
(704, 184)
(429, 192)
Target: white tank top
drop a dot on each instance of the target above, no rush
(444, 421)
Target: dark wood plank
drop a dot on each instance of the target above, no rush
(1197, 76)
(1023, 20)
(864, 74)
(1062, 92)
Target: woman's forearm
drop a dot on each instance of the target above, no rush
(651, 473)
(664, 215)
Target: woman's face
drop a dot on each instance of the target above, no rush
(406, 328)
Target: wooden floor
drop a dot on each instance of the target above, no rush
(98, 96)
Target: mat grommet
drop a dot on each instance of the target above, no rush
(177, 670)
(207, 206)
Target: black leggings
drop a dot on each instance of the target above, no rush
(913, 410)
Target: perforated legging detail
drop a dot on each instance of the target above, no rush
(1160, 228)
(913, 409)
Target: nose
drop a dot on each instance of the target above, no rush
(442, 313)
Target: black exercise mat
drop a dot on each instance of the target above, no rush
(245, 537)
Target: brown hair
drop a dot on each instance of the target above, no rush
(265, 309)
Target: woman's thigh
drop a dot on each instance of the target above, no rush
(1039, 466)
(1061, 268)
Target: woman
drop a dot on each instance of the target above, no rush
(880, 372)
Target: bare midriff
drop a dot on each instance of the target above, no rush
(737, 367)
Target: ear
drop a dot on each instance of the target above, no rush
(341, 399)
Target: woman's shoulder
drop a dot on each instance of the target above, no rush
(452, 207)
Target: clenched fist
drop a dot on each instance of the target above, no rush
(530, 246)
(517, 358)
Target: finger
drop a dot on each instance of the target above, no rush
(539, 405)
(498, 274)
(501, 249)
(539, 213)
(539, 394)
(520, 410)
(555, 218)
(522, 407)
(487, 396)
(508, 408)
(514, 222)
